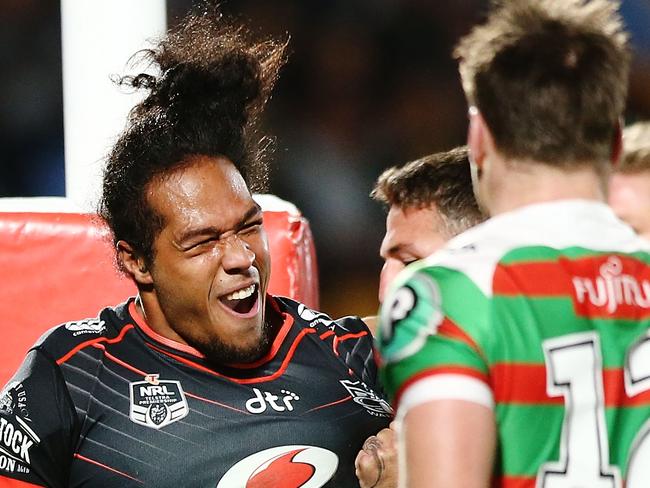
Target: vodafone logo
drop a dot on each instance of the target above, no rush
(283, 467)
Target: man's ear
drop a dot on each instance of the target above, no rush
(133, 263)
(617, 143)
(479, 138)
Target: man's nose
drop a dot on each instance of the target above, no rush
(389, 271)
(237, 255)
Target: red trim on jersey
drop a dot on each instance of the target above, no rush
(450, 329)
(113, 470)
(139, 319)
(439, 370)
(526, 383)
(337, 339)
(331, 404)
(179, 346)
(207, 400)
(245, 381)
(11, 483)
(119, 361)
(325, 335)
(142, 373)
(91, 342)
(516, 482)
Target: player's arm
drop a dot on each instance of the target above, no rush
(436, 371)
(447, 443)
(39, 426)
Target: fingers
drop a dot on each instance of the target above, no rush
(376, 463)
(368, 465)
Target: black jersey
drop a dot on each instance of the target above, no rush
(108, 402)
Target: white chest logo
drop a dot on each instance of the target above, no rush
(283, 467)
(279, 403)
(368, 399)
(88, 326)
(157, 403)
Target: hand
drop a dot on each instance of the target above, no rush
(376, 463)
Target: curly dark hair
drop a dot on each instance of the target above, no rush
(441, 179)
(212, 86)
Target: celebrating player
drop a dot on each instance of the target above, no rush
(629, 192)
(429, 201)
(517, 355)
(203, 379)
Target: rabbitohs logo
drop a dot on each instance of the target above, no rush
(283, 467)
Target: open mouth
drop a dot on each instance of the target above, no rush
(242, 302)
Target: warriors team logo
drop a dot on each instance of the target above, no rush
(368, 399)
(156, 403)
(283, 467)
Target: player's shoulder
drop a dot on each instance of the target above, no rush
(306, 317)
(65, 337)
(534, 233)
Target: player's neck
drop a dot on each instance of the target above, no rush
(516, 184)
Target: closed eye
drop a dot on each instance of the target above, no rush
(200, 244)
(251, 227)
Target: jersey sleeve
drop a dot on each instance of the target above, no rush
(353, 343)
(38, 425)
(430, 339)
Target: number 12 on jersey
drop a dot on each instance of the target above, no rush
(574, 371)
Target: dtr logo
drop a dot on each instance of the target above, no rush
(260, 401)
(283, 467)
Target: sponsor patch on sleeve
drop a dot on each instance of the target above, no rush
(411, 313)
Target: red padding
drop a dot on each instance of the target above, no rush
(57, 267)
(11, 483)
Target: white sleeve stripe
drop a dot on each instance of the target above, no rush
(445, 387)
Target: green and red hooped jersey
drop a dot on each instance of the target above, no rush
(542, 314)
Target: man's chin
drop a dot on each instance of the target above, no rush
(219, 353)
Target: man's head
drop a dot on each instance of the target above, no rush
(429, 201)
(547, 81)
(176, 189)
(629, 192)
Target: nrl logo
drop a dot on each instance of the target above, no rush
(368, 399)
(157, 403)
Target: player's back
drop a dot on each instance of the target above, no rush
(570, 365)
(550, 307)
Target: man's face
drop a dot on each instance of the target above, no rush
(211, 261)
(411, 234)
(629, 196)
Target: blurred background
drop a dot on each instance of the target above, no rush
(369, 84)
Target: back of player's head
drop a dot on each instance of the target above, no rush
(549, 78)
(636, 149)
(441, 179)
(212, 84)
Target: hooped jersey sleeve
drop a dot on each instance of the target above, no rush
(434, 340)
(38, 425)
